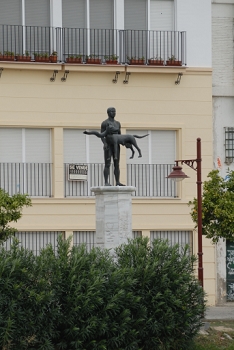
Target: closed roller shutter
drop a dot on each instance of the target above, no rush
(74, 13)
(37, 13)
(101, 14)
(162, 21)
(11, 12)
(37, 146)
(74, 146)
(162, 15)
(10, 145)
(163, 145)
(135, 15)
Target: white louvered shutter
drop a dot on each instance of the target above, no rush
(37, 146)
(74, 13)
(74, 146)
(143, 144)
(10, 145)
(163, 146)
(102, 14)
(162, 15)
(135, 14)
(11, 12)
(96, 153)
(37, 13)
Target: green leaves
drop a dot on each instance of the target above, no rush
(217, 207)
(11, 210)
(147, 298)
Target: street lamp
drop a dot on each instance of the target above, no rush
(177, 175)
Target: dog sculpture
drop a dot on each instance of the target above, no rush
(126, 140)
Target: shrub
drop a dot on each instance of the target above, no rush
(143, 298)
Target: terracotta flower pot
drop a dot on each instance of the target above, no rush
(73, 60)
(42, 59)
(155, 62)
(93, 60)
(111, 61)
(7, 58)
(174, 63)
(53, 58)
(137, 61)
(23, 58)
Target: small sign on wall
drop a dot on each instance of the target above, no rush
(77, 172)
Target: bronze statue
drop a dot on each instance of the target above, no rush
(112, 138)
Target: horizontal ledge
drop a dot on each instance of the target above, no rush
(31, 65)
(104, 68)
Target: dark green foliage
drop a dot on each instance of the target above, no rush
(11, 210)
(217, 207)
(144, 298)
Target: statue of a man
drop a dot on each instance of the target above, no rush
(114, 127)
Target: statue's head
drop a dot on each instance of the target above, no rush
(111, 111)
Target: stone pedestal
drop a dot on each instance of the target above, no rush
(113, 215)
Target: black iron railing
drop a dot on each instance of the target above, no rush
(34, 179)
(101, 45)
(150, 180)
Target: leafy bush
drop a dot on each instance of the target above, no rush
(143, 298)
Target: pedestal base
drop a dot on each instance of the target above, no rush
(113, 215)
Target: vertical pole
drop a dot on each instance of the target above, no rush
(199, 212)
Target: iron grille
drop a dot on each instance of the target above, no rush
(85, 237)
(174, 237)
(229, 145)
(35, 240)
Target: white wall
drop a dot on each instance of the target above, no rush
(194, 17)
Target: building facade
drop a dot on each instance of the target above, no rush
(45, 107)
(223, 107)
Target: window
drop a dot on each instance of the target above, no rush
(35, 240)
(229, 145)
(83, 149)
(25, 161)
(174, 237)
(85, 237)
(148, 173)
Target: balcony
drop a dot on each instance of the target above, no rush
(35, 179)
(139, 47)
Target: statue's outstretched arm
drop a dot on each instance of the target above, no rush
(96, 133)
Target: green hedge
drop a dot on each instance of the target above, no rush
(142, 298)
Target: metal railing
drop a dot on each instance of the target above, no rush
(35, 240)
(101, 44)
(150, 180)
(34, 179)
(82, 188)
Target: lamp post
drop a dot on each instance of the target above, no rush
(177, 174)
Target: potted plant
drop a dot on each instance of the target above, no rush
(93, 59)
(41, 57)
(136, 60)
(172, 61)
(111, 59)
(24, 58)
(7, 56)
(53, 57)
(74, 59)
(155, 61)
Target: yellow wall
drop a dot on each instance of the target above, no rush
(150, 100)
